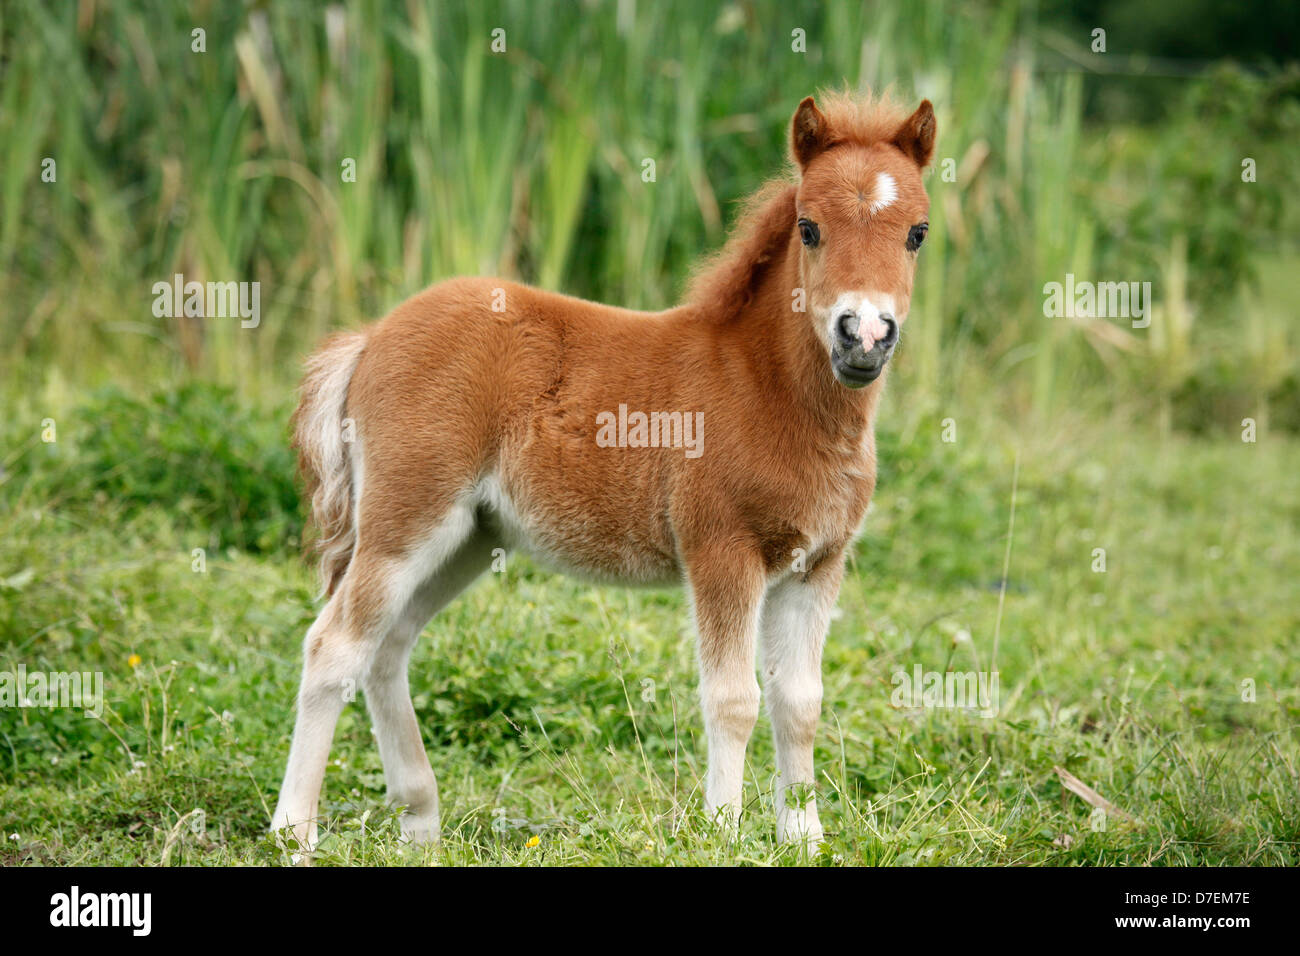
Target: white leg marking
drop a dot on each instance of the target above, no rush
(795, 620)
(407, 772)
(730, 702)
(336, 662)
(727, 622)
(328, 677)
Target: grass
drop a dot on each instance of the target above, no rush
(534, 703)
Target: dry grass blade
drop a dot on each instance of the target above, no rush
(1091, 796)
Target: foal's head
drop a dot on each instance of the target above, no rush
(862, 215)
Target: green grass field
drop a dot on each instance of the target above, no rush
(533, 699)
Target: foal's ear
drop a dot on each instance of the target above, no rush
(916, 136)
(809, 132)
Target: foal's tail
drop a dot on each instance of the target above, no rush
(322, 437)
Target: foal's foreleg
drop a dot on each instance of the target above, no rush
(795, 618)
(727, 586)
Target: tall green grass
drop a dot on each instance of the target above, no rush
(227, 165)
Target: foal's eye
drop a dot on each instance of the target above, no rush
(809, 232)
(916, 236)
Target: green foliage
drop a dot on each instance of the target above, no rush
(222, 470)
(1194, 161)
(228, 165)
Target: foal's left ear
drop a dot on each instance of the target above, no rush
(809, 132)
(916, 136)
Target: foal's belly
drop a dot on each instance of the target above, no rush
(580, 529)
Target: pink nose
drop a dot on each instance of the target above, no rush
(880, 328)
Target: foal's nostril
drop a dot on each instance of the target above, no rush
(891, 331)
(847, 324)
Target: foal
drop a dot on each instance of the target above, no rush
(469, 420)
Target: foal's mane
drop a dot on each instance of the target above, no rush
(727, 281)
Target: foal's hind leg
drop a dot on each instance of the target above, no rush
(330, 659)
(410, 778)
(337, 656)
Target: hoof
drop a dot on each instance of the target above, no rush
(800, 825)
(420, 831)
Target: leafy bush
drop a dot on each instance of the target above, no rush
(194, 450)
(1194, 161)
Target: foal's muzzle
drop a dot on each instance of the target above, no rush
(857, 362)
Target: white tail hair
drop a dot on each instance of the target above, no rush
(322, 439)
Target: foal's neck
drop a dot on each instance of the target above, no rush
(789, 344)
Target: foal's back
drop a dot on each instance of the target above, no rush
(494, 392)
